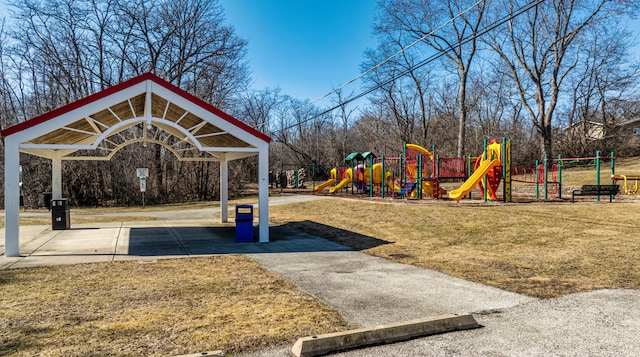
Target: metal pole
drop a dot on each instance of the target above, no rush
(469, 172)
(384, 177)
(404, 171)
(371, 176)
(613, 171)
(419, 177)
(598, 172)
(313, 174)
(537, 180)
(484, 179)
(559, 177)
(546, 180)
(281, 173)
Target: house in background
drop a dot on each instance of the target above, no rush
(587, 136)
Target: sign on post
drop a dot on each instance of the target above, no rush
(142, 173)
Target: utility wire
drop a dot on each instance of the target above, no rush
(391, 57)
(430, 59)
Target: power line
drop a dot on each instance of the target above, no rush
(391, 57)
(422, 63)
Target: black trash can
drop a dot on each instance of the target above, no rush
(244, 223)
(46, 200)
(60, 214)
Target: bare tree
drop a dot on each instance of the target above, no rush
(541, 48)
(345, 114)
(422, 19)
(63, 50)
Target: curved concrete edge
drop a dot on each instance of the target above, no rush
(400, 331)
(217, 353)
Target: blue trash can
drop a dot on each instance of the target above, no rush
(244, 223)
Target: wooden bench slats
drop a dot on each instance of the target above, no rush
(596, 190)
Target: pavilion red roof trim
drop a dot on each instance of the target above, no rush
(126, 84)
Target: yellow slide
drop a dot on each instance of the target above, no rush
(392, 186)
(342, 183)
(329, 182)
(471, 182)
(420, 149)
(428, 188)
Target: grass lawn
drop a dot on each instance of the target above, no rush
(538, 249)
(181, 306)
(161, 308)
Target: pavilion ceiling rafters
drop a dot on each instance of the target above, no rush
(101, 134)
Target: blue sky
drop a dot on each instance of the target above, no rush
(305, 47)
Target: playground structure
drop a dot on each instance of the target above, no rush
(626, 179)
(419, 172)
(395, 176)
(495, 166)
(558, 163)
(539, 175)
(491, 168)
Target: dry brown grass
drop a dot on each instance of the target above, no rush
(541, 249)
(164, 308)
(228, 302)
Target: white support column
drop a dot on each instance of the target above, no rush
(263, 194)
(11, 197)
(56, 177)
(224, 191)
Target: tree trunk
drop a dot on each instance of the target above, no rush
(462, 115)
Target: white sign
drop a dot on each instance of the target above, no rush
(143, 184)
(142, 172)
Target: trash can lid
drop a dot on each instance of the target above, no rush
(244, 209)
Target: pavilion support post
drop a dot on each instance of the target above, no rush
(224, 191)
(56, 177)
(263, 195)
(11, 197)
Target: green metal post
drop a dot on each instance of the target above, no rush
(402, 173)
(598, 172)
(559, 177)
(613, 170)
(371, 176)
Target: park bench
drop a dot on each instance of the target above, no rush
(596, 190)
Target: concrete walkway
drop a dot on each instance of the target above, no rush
(365, 290)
